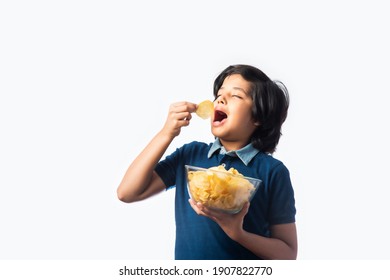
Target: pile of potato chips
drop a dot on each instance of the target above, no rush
(224, 189)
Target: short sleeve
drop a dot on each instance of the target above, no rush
(282, 202)
(167, 169)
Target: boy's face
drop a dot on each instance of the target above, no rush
(232, 122)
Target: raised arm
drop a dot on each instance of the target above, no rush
(140, 181)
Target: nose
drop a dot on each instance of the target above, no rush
(221, 100)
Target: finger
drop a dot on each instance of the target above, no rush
(244, 209)
(205, 209)
(181, 115)
(181, 123)
(189, 117)
(184, 106)
(181, 103)
(195, 207)
(208, 212)
(199, 209)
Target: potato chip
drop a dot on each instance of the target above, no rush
(205, 109)
(224, 189)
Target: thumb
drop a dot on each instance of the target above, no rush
(244, 209)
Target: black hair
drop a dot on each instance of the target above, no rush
(270, 104)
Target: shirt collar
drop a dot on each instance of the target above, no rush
(246, 154)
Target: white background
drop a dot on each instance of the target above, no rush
(84, 85)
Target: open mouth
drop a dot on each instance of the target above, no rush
(219, 116)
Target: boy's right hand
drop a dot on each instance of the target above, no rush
(179, 115)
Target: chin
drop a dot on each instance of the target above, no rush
(215, 132)
(218, 134)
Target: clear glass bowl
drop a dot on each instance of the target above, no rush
(220, 190)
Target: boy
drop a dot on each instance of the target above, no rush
(249, 112)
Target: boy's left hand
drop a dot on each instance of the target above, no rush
(231, 224)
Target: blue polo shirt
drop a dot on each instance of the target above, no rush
(200, 238)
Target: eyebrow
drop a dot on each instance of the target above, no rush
(236, 88)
